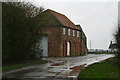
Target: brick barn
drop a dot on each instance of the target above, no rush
(61, 37)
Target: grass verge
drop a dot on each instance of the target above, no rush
(105, 69)
(21, 65)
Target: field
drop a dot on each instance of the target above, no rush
(105, 69)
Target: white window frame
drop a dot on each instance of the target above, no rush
(73, 32)
(63, 30)
(78, 34)
(68, 31)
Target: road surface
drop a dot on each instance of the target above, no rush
(62, 67)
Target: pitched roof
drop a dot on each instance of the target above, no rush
(63, 19)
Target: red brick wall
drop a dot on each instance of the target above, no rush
(74, 42)
(83, 47)
(57, 42)
(54, 40)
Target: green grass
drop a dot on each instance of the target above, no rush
(105, 69)
(21, 65)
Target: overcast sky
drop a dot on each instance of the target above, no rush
(98, 19)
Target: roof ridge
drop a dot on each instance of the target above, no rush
(55, 12)
(60, 14)
(62, 19)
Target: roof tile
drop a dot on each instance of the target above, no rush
(63, 19)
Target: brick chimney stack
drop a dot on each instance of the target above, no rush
(110, 42)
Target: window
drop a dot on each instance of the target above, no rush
(63, 30)
(73, 32)
(68, 31)
(78, 34)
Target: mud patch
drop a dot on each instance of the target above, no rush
(51, 72)
(76, 69)
(50, 76)
(58, 64)
(67, 67)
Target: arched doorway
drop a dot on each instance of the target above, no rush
(68, 48)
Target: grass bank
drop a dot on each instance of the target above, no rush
(105, 69)
(10, 67)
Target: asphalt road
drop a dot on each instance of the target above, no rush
(62, 67)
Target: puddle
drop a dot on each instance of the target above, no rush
(20, 73)
(58, 64)
(50, 76)
(67, 67)
(51, 72)
(75, 70)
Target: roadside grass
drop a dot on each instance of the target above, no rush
(105, 69)
(21, 65)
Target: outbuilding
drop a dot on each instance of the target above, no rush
(61, 37)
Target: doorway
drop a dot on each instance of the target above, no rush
(44, 44)
(68, 48)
